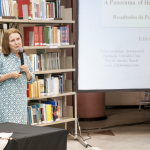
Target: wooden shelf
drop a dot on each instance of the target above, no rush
(62, 120)
(13, 21)
(51, 21)
(50, 96)
(35, 21)
(54, 71)
(48, 47)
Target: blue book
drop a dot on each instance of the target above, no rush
(29, 112)
(38, 107)
(53, 103)
(42, 6)
(37, 10)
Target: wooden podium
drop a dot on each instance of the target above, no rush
(91, 106)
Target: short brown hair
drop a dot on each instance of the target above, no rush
(5, 41)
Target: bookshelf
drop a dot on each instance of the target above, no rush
(48, 47)
(52, 96)
(54, 71)
(62, 120)
(36, 21)
(65, 119)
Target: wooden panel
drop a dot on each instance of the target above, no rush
(123, 98)
(50, 96)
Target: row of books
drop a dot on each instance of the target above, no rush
(6, 8)
(45, 112)
(38, 61)
(50, 85)
(46, 35)
(35, 9)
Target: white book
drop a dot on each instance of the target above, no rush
(25, 12)
(7, 7)
(4, 8)
(42, 62)
(56, 85)
(31, 38)
(48, 81)
(58, 60)
(44, 9)
(42, 87)
(58, 36)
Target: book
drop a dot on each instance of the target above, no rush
(20, 8)
(43, 110)
(48, 113)
(43, 51)
(47, 83)
(31, 36)
(30, 115)
(34, 113)
(41, 81)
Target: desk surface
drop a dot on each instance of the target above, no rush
(35, 138)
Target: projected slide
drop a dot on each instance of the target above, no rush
(114, 45)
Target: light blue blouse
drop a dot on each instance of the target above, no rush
(13, 97)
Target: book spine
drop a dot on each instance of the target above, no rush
(42, 115)
(0, 9)
(67, 34)
(52, 14)
(38, 10)
(29, 10)
(49, 7)
(43, 9)
(26, 36)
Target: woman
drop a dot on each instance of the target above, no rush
(13, 85)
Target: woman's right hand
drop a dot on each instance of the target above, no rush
(15, 75)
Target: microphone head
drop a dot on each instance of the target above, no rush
(20, 49)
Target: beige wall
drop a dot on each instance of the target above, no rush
(123, 98)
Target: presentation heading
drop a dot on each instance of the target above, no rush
(125, 13)
(127, 2)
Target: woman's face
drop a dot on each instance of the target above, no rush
(15, 42)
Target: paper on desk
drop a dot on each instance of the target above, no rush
(5, 135)
(3, 142)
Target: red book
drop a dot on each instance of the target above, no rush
(42, 114)
(38, 10)
(37, 42)
(30, 36)
(49, 10)
(27, 90)
(20, 11)
(40, 35)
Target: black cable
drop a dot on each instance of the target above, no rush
(138, 123)
(131, 124)
(88, 134)
(91, 129)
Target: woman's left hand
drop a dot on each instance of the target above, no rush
(24, 68)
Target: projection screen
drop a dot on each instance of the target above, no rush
(112, 45)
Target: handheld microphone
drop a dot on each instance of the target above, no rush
(21, 56)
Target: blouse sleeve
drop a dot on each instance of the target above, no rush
(31, 71)
(1, 73)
